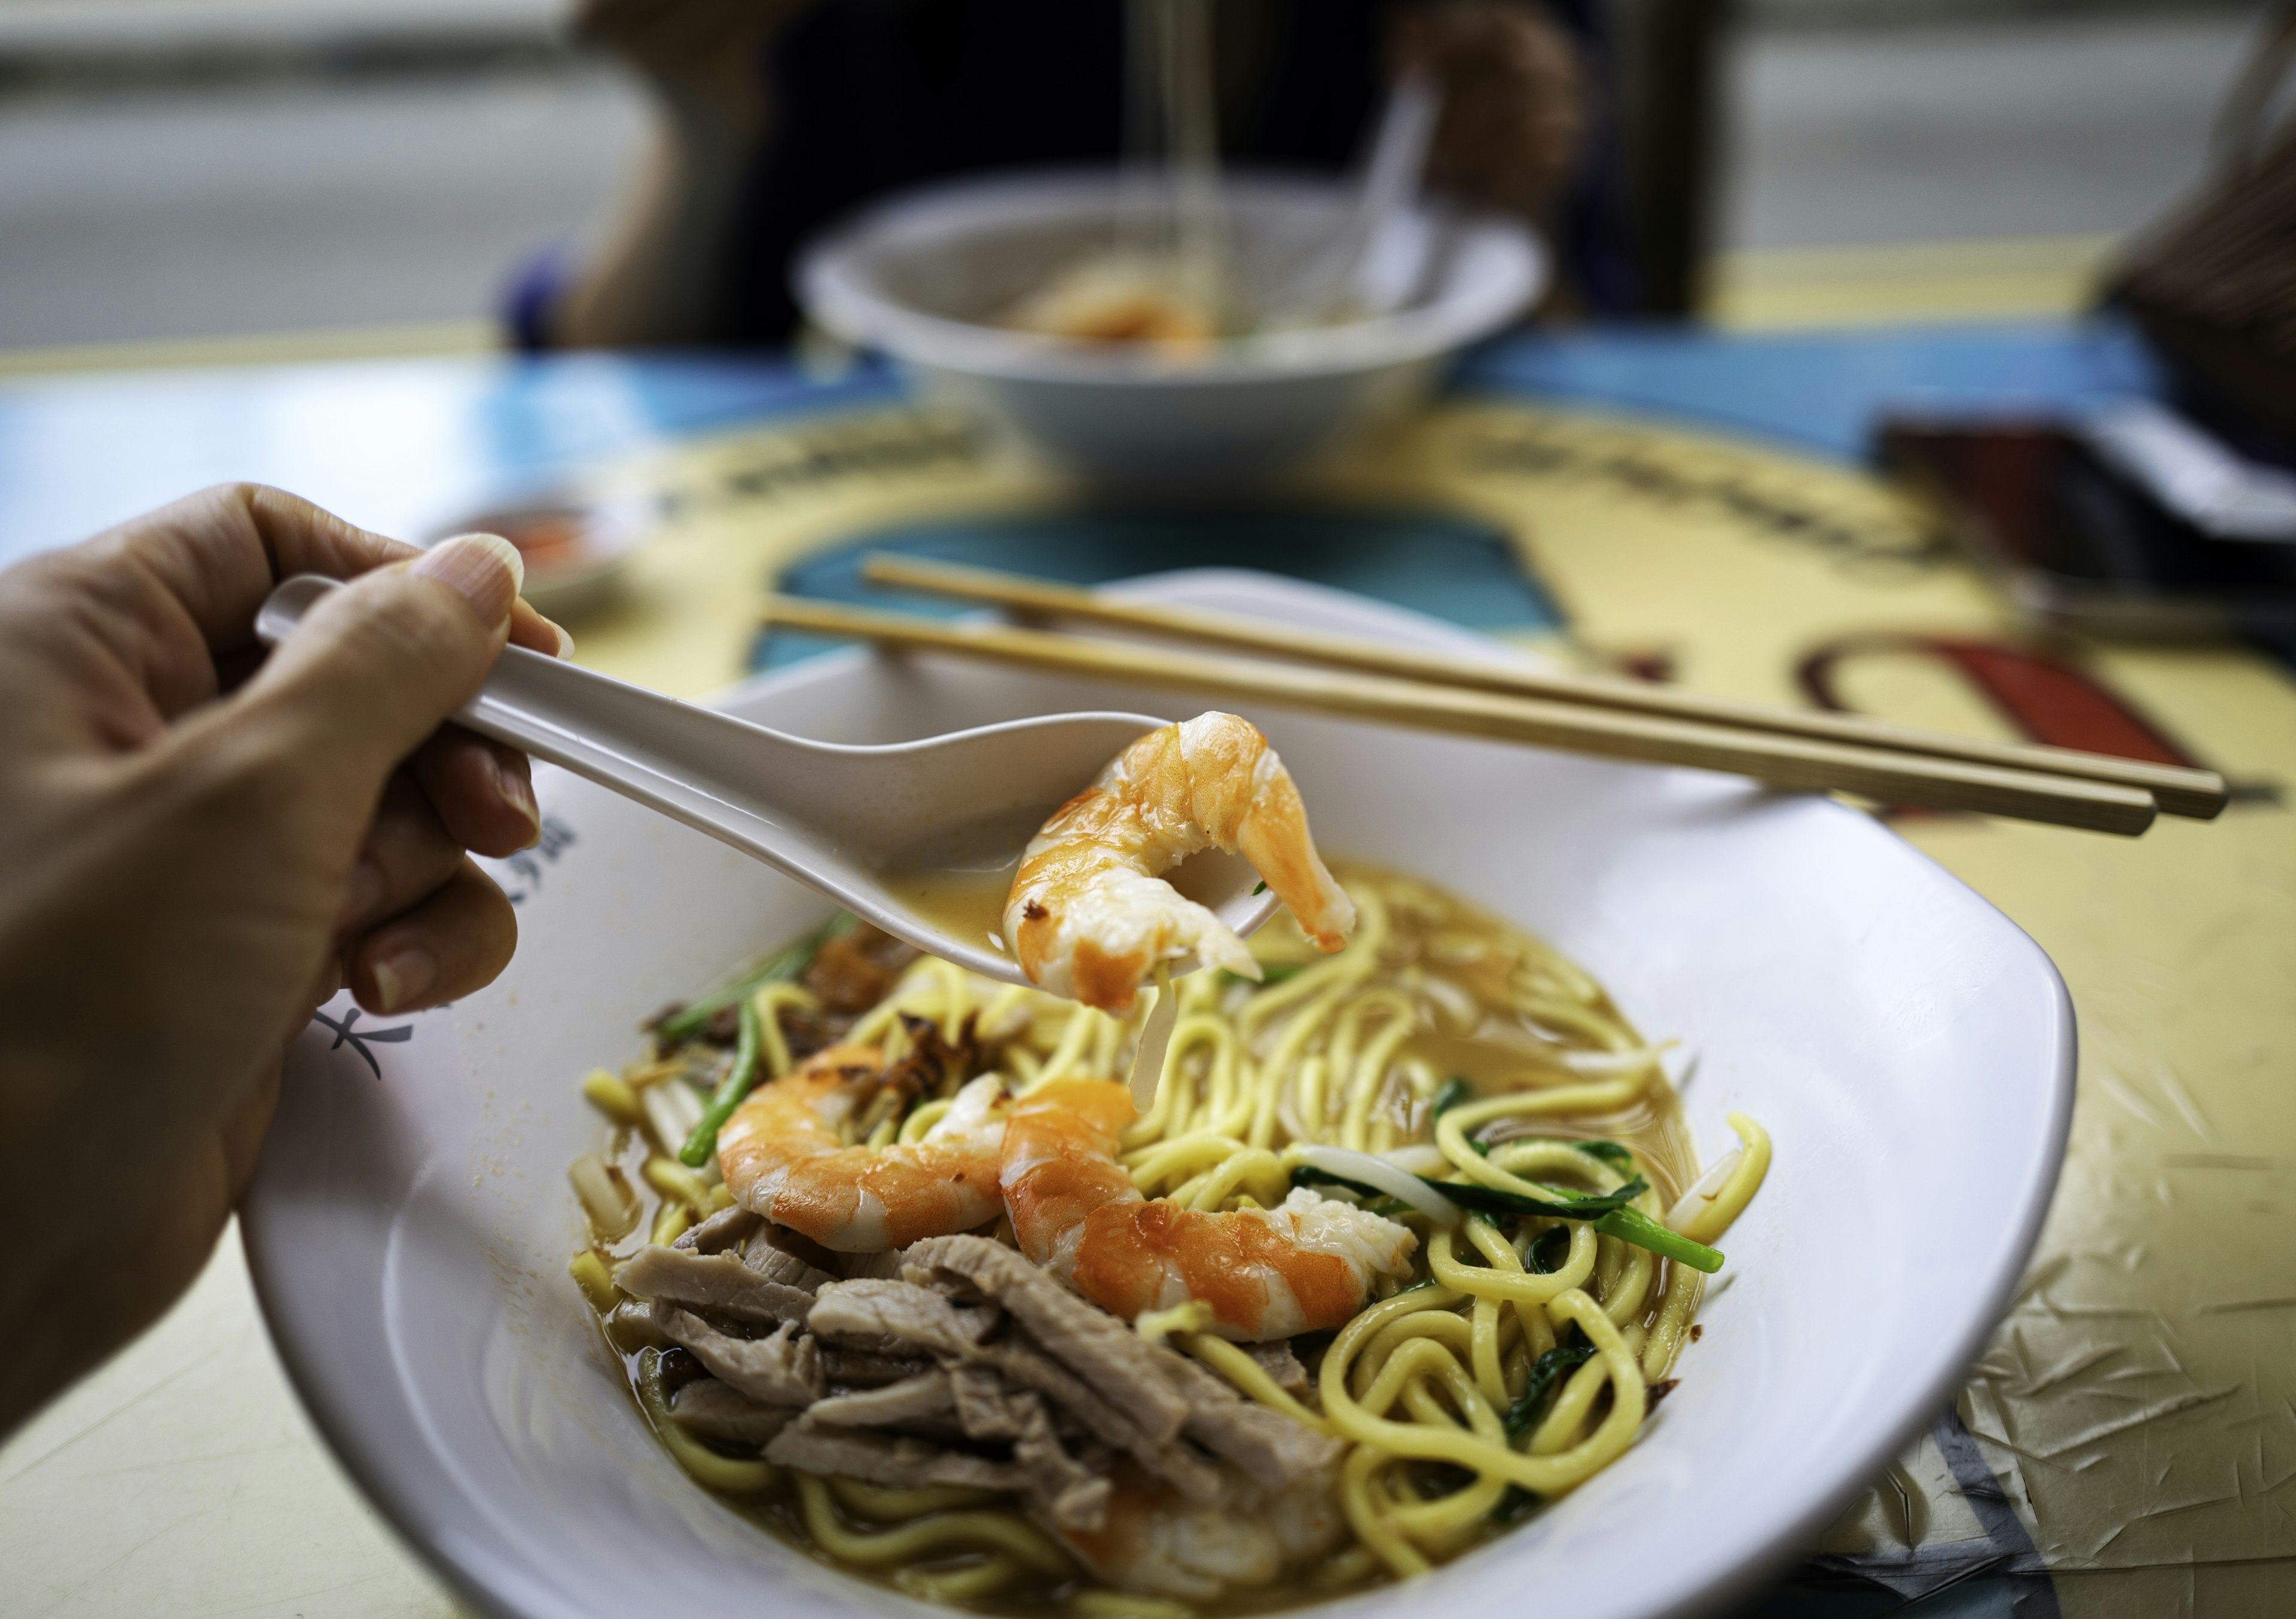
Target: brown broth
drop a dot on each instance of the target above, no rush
(965, 903)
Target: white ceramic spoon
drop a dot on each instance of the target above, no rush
(840, 819)
(1369, 269)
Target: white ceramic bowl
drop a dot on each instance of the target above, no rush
(920, 276)
(1910, 1050)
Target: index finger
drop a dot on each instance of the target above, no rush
(222, 551)
(193, 573)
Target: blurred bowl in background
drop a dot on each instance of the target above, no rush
(923, 276)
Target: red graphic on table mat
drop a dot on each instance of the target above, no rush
(2049, 701)
(1653, 664)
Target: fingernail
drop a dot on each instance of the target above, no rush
(565, 642)
(402, 975)
(517, 792)
(364, 891)
(485, 568)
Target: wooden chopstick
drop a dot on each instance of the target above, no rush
(2197, 794)
(1780, 761)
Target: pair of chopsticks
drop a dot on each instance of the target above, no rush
(1614, 719)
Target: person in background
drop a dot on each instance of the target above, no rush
(777, 117)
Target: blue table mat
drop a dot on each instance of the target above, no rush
(1435, 563)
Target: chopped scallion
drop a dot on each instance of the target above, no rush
(687, 1021)
(1548, 1250)
(1547, 1371)
(740, 1080)
(1562, 1205)
(1632, 1225)
(1270, 972)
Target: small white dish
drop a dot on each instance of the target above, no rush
(924, 275)
(1910, 1050)
(576, 548)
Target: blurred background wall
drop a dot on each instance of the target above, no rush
(235, 178)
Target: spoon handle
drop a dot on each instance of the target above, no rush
(671, 756)
(1399, 158)
(1388, 190)
(835, 816)
(539, 704)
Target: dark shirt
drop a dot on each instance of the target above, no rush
(870, 96)
(867, 97)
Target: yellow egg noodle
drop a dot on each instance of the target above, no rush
(1520, 1358)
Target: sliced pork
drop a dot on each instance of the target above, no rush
(782, 1369)
(720, 1283)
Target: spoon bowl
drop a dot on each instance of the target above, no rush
(876, 828)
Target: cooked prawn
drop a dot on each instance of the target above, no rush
(1154, 1542)
(1264, 1274)
(782, 1156)
(1090, 915)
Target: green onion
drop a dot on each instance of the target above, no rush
(1565, 1206)
(1378, 1176)
(1515, 1505)
(1258, 889)
(1548, 1250)
(686, 1022)
(1632, 1225)
(1449, 1094)
(1495, 1202)
(1490, 1199)
(738, 1081)
(1610, 1152)
(1270, 972)
(1612, 1212)
(1549, 1369)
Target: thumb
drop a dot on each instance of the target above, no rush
(377, 665)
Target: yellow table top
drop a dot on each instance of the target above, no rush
(2139, 1403)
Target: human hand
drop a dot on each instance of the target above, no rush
(188, 869)
(1512, 104)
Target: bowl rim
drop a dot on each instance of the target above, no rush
(834, 287)
(480, 1578)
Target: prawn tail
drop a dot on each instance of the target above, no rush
(1274, 838)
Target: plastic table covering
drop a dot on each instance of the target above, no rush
(1682, 506)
